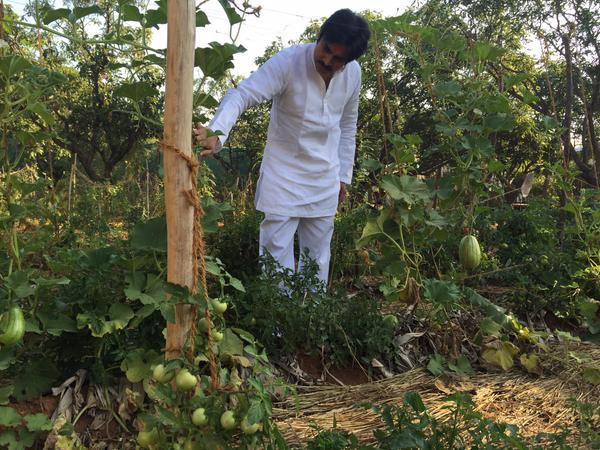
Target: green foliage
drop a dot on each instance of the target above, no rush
(527, 241)
(333, 439)
(207, 404)
(411, 426)
(20, 433)
(290, 312)
(237, 244)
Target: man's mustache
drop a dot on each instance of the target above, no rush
(326, 67)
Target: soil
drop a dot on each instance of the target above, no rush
(350, 376)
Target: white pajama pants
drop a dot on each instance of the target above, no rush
(314, 233)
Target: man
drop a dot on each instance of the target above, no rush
(309, 155)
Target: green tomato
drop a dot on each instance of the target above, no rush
(203, 324)
(217, 336)
(219, 307)
(191, 444)
(147, 438)
(199, 417)
(228, 420)
(390, 321)
(248, 428)
(185, 381)
(161, 375)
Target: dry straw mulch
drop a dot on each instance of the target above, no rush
(535, 404)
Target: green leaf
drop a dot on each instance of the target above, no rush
(136, 91)
(5, 393)
(43, 113)
(589, 308)
(232, 15)
(201, 19)
(441, 292)
(148, 289)
(490, 328)
(51, 15)
(436, 364)
(155, 59)
(55, 323)
(81, 12)
(231, 344)
(447, 89)
(156, 17)
(12, 65)
(435, 219)
(409, 189)
(9, 417)
(499, 122)
(141, 314)
(45, 282)
(592, 375)
(236, 284)
(370, 231)
(119, 316)
(167, 311)
(137, 364)
(371, 164)
(167, 418)
(255, 412)
(8, 440)
(213, 267)
(414, 400)
(550, 123)
(496, 103)
(461, 365)
(38, 422)
(150, 235)
(212, 215)
(493, 311)
(7, 357)
(216, 59)
(36, 379)
(20, 284)
(130, 13)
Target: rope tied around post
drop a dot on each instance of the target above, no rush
(198, 257)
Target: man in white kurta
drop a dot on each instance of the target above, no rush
(309, 154)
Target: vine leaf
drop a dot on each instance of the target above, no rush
(136, 91)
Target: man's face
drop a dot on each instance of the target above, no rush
(329, 58)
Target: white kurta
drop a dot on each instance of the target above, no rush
(311, 136)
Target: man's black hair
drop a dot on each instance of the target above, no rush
(349, 29)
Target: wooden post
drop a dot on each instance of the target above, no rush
(181, 35)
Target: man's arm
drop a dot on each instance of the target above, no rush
(265, 83)
(348, 135)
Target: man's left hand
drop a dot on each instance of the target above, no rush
(343, 193)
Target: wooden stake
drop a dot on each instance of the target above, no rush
(178, 133)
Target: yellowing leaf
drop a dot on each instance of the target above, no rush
(500, 354)
(530, 362)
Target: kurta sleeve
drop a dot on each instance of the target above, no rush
(348, 133)
(263, 84)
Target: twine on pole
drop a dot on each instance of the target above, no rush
(198, 259)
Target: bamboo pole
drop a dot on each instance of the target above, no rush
(178, 134)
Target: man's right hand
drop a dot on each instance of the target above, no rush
(209, 144)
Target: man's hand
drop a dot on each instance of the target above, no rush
(343, 193)
(209, 144)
